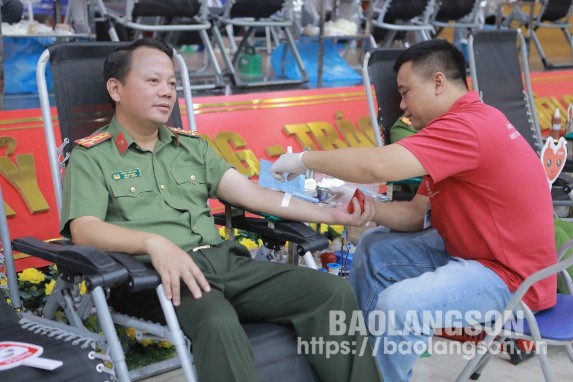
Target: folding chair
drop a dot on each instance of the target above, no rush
(502, 80)
(456, 14)
(75, 348)
(377, 71)
(252, 15)
(84, 112)
(403, 16)
(553, 14)
(167, 20)
(550, 327)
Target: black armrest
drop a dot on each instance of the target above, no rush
(141, 275)
(296, 232)
(98, 267)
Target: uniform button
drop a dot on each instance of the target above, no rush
(194, 228)
(132, 189)
(163, 187)
(192, 177)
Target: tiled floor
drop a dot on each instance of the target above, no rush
(446, 367)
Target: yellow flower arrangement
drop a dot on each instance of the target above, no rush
(146, 342)
(131, 332)
(49, 287)
(31, 275)
(251, 244)
(35, 286)
(337, 228)
(165, 344)
(330, 231)
(223, 232)
(83, 287)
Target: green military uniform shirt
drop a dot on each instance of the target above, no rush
(163, 192)
(402, 128)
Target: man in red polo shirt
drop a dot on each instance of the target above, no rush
(484, 193)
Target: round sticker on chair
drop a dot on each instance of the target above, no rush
(13, 354)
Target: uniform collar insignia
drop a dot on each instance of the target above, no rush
(121, 142)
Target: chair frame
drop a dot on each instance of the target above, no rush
(478, 363)
(420, 23)
(201, 25)
(285, 24)
(528, 96)
(470, 21)
(536, 21)
(101, 272)
(76, 336)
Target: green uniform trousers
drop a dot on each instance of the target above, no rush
(245, 290)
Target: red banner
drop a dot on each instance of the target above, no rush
(241, 128)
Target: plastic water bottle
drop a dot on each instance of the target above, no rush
(555, 132)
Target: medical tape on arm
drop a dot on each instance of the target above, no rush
(286, 200)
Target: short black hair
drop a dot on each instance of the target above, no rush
(431, 56)
(118, 63)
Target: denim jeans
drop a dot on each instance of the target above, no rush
(411, 277)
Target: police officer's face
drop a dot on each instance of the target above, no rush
(148, 94)
(418, 96)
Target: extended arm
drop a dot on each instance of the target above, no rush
(239, 191)
(359, 165)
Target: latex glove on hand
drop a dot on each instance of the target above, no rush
(289, 164)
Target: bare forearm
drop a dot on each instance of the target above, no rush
(240, 192)
(400, 216)
(366, 164)
(288, 207)
(93, 232)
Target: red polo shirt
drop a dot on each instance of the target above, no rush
(489, 194)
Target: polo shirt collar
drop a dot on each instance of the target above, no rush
(123, 140)
(461, 103)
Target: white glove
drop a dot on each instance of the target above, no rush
(289, 165)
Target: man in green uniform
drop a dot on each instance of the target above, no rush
(402, 128)
(139, 187)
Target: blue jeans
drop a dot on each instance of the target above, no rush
(411, 278)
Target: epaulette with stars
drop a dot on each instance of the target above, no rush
(93, 140)
(406, 121)
(187, 133)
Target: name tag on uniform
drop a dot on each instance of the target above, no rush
(126, 174)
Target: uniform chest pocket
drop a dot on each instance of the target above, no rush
(192, 184)
(130, 189)
(130, 195)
